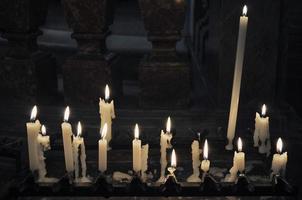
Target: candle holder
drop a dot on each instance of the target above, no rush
(209, 185)
(243, 185)
(171, 186)
(136, 185)
(280, 185)
(28, 184)
(64, 184)
(101, 184)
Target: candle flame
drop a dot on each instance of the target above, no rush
(66, 113)
(173, 159)
(244, 10)
(104, 131)
(33, 114)
(79, 129)
(205, 150)
(239, 144)
(107, 92)
(136, 132)
(43, 130)
(279, 145)
(168, 126)
(263, 110)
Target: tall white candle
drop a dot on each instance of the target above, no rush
(67, 141)
(195, 162)
(237, 79)
(136, 151)
(107, 113)
(103, 150)
(33, 129)
(261, 133)
(165, 143)
(279, 160)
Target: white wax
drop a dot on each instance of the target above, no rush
(77, 141)
(67, 144)
(237, 81)
(102, 155)
(261, 134)
(145, 150)
(239, 161)
(165, 143)
(107, 114)
(33, 129)
(279, 163)
(43, 142)
(136, 155)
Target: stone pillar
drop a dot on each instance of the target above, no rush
(261, 56)
(25, 73)
(164, 75)
(87, 72)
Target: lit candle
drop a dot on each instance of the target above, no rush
(67, 141)
(237, 79)
(33, 129)
(107, 113)
(78, 143)
(44, 144)
(136, 151)
(261, 133)
(239, 157)
(165, 143)
(279, 159)
(205, 164)
(103, 150)
(195, 162)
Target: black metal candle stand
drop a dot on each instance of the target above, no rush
(27, 186)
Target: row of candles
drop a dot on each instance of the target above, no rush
(74, 151)
(37, 142)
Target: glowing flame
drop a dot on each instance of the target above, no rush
(33, 114)
(104, 131)
(136, 132)
(205, 150)
(239, 144)
(244, 10)
(263, 110)
(107, 92)
(66, 114)
(43, 130)
(168, 126)
(279, 145)
(79, 129)
(173, 159)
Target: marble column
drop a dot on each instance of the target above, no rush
(261, 56)
(164, 76)
(88, 71)
(26, 72)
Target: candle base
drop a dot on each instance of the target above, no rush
(101, 184)
(64, 183)
(209, 185)
(171, 186)
(136, 185)
(280, 185)
(243, 185)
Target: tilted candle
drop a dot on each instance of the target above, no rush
(67, 141)
(237, 79)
